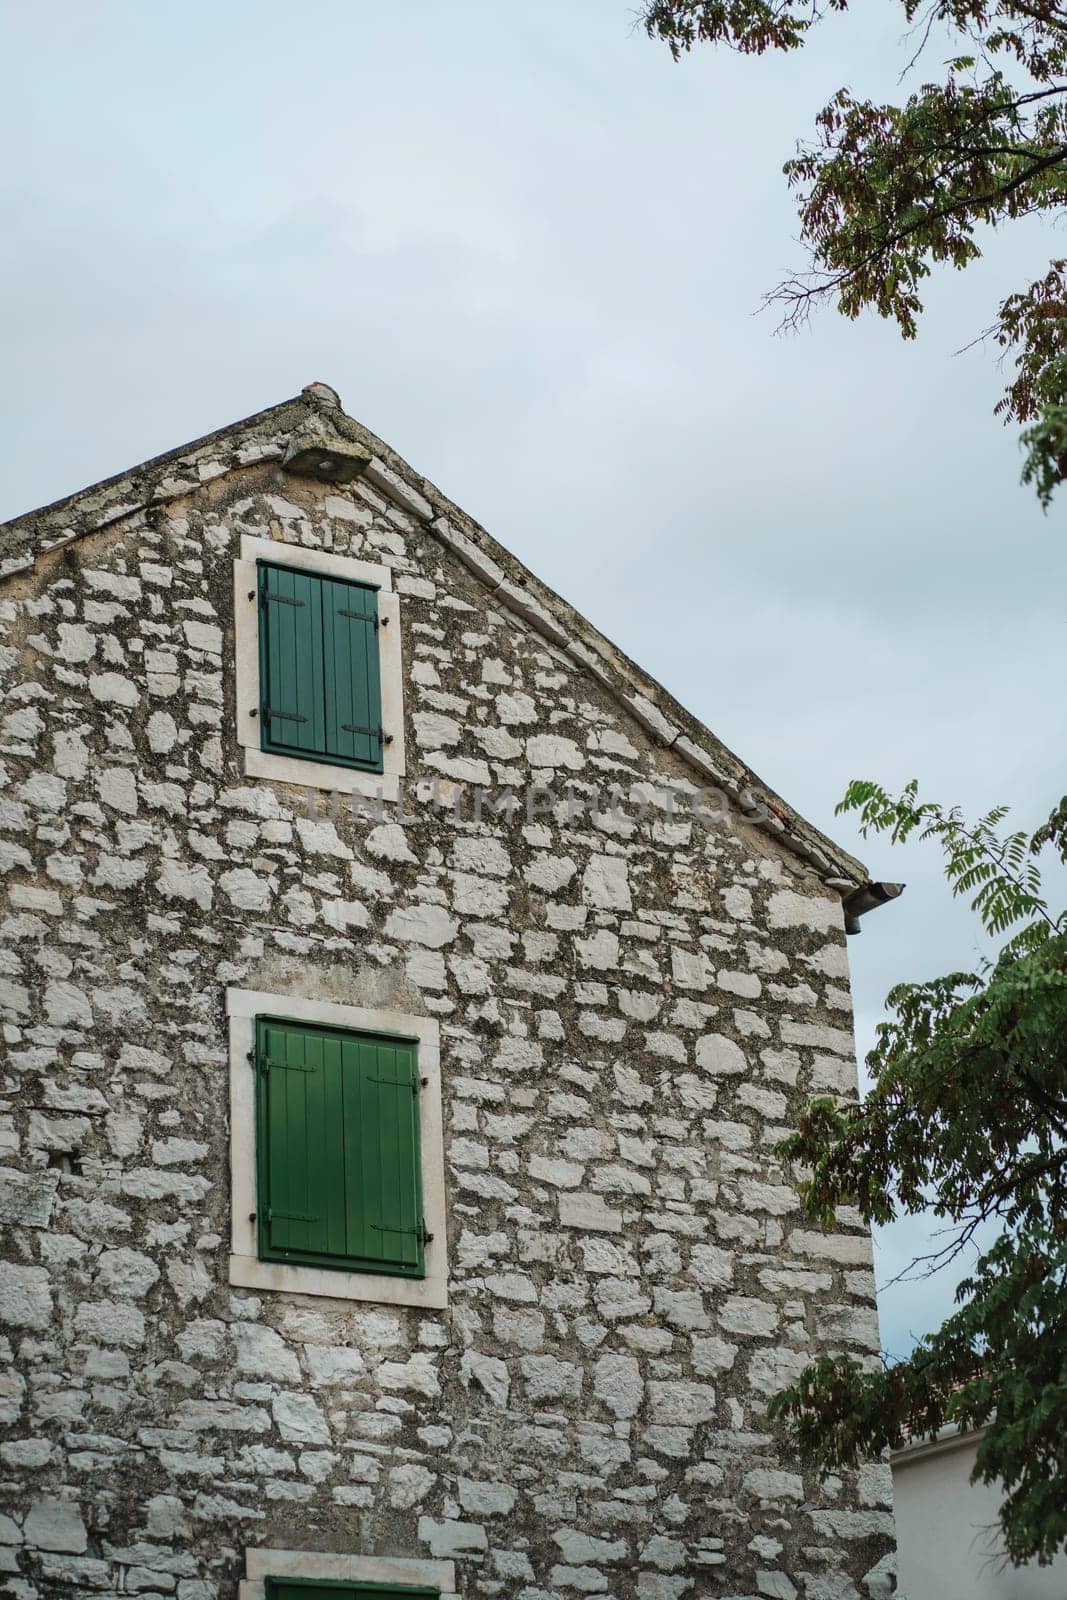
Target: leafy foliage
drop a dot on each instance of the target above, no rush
(887, 192)
(967, 1118)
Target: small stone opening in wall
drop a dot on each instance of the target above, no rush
(68, 1161)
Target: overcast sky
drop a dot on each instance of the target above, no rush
(528, 249)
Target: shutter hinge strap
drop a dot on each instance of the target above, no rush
(378, 733)
(418, 1233)
(362, 616)
(290, 1216)
(280, 599)
(288, 716)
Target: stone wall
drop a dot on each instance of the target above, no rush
(630, 1006)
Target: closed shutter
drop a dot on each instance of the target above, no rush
(320, 682)
(338, 1149)
(353, 685)
(293, 709)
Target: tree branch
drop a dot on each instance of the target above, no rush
(795, 291)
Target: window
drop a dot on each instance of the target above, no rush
(318, 672)
(336, 1149)
(310, 1574)
(320, 694)
(303, 1575)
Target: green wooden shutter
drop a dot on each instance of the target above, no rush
(292, 690)
(320, 680)
(353, 683)
(338, 1149)
(384, 1200)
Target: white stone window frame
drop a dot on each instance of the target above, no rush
(246, 1270)
(293, 769)
(316, 1567)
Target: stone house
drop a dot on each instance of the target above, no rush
(403, 996)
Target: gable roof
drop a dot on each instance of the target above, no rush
(316, 415)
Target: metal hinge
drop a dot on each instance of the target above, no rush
(280, 599)
(400, 1083)
(371, 733)
(418, 1233)
(362, 616)
(289, 716)
(290, 1216)
(265, 1065)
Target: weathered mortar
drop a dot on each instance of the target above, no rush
(630, 1012)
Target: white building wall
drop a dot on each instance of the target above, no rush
(948, 1537)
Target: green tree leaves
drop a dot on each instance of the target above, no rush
(966, 1118)
(885, 193)
(749, 26)
(1000, 874)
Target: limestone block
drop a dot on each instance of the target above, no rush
(418, 1374)
(742, 1314)
(589, 1212)
(489, 1373)
(719, 1055)
(261, 1351)
(427, 925)
(618, 1385)
(745, 984)
(820, 913)
(25, 1296)
(127, 1273)
(203, 636)
(113, 689)
(547, 1378)
(447, 1536)
(111, 1321)
(586, 1580)
(766, 1483)
(55, 1524)
(776, 1585)
(27, 1198)
(664, 1552)
(560, 1174)
(552, 750)
(577, 1547)
(299, 1417)
(333, 1364)
(605, 883)
(681, 1401)
(409, 1484)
